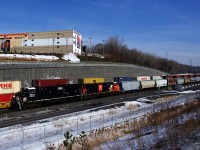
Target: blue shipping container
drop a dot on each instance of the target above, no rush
(119, 79)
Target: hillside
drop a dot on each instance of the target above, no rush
(114, 50)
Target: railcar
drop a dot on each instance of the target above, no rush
(47, 92)
(129, 86)
(160, 83)
(45, 95)
(148, 84)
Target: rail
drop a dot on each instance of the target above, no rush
(25, 137)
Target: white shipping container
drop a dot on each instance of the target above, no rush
(193, 79)
(180, 81)
(143, 78)
(161, 83)
(156, 78)
(197, 78)
(130, 85)
(148, 84)
(8, 87)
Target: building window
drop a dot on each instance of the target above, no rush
(58, 33)
(32, 44)
(57, 46)
(58, 42)
(25, 45)
(32, 34)
(58, 38)
(32, 40)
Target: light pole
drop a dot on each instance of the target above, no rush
(90, 43)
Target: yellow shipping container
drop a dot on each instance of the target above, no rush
(90, 80)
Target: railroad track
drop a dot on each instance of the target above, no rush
(26, 116)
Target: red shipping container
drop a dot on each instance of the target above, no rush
(49, 82)
(6, 97)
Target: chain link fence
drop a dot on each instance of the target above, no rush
(45, 133)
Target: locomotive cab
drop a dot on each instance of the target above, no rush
(29, 94)
(18, 100)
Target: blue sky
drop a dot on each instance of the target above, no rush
(152, 26)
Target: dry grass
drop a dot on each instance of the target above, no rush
(168, 116)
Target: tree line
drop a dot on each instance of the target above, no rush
(114, 50)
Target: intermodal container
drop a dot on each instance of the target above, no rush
(172, 81)
(180, 81)
(10, 87)
(130, 85)
(197, 79)
(161, 83)
(169, 76)
(6, 97)
(148, 84)
(5, 100)
(90, 80)
(156, 77)
(143, 78)
(193, 79)
(119, 79)
(49, 82)
(187, 80)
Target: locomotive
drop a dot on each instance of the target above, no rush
(50, 91)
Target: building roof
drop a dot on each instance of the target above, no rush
(14, 34)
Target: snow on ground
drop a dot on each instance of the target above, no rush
(34, 136)
(44, 132)
(25, 56)
(72, 58)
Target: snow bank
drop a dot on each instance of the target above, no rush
(186, 92)
(133, 104)
(71, 58)
(24, 56)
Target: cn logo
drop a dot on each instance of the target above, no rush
(6, 85)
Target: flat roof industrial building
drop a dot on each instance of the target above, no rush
(55, 42)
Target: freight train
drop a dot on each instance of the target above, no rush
(48, 91)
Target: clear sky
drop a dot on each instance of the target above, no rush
(152, 26)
